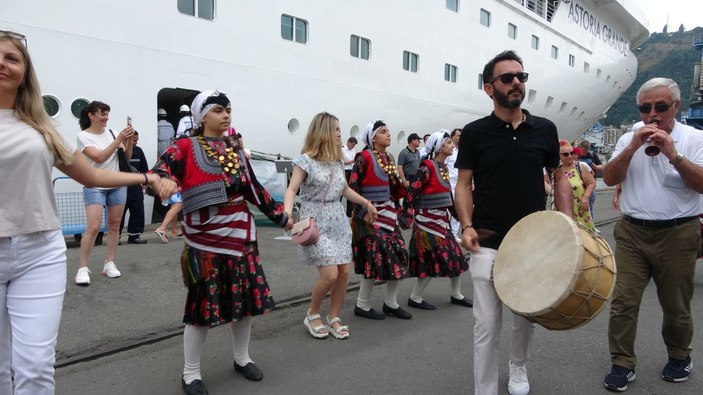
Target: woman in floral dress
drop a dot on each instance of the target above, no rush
(220, 260)
(320, 172)
(582, 183)
(378, 248)
(434, 252)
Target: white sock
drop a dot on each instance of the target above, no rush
(241, 333)
(419, 289)
(456, 288)
(193, 345)
(391, 299)
(363, 301)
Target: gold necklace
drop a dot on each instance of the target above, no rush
(229, 162)
(442, 172)
(389, 168)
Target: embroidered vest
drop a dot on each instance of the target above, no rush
(437, 192)
(204, 183)
(374, 185)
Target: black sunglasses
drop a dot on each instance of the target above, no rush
(509, 77)
(566, 154)
(659, 107)
(15, 35)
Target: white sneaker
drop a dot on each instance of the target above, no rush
(110, 270)
(83, 276)
(517, 382)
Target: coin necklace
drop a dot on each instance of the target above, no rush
(229, 161)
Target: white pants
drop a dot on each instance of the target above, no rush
(32, 286)
(488, 311)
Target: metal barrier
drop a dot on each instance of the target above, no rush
(71, 209)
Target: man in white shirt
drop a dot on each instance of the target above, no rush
(348, 153)
(454, 174)
(186, 122)
(423, 150)
(660, 167)
(165, 132)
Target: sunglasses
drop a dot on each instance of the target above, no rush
(15, 35)
(566, 154)
(509, 77)
(659, 107)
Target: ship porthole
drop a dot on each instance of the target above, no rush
(293, 126)
(77, 106)
(401, 136)
(51, 105)
(354, 131)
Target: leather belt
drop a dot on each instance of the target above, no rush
(658, 223)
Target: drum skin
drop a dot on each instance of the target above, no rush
(554, 271)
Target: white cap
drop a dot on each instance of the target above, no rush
(184, 108)
(161, 112)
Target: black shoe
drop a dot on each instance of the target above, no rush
(398, 312)
(194, 388)
(249, 371)
(136, 240)
(422, 305)
(466, 302)
(373, 314)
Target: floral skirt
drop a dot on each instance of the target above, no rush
(227, 288)
(378, 254)
(433, 256)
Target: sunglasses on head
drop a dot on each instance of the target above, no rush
(509, 77)
(659, 107)
(15, 35)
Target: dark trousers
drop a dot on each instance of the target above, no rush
(135, 206)
(347, 174)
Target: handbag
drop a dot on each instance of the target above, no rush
(122, 159)
(305, 231)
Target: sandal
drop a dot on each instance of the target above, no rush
(162, 235)
(341, 332)
(318, 332)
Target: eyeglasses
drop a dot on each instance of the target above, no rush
(659, 107)
(15, 35)
(566, 154)
(509, 77)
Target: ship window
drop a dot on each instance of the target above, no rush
(51, 105)
(548, 103)
(562, 107)
(293, 126)
(531, 96)
(450, 72)
(480, 81)
(573, 111)
(294, 29)
(598, 73)
(359, 47)
(536, 6)
(453, 5)
(78, 105)
(607, 79)
(512, 31)
(535, 42)
(555, 52)
(572, 60)
(410, 61)
(581, 115)
(199, 8)
(354, 131)
(586, 67)
(485, 18)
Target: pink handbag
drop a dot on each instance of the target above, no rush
(305, 232)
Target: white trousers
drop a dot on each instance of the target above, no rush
(32, 286)
(488, 311)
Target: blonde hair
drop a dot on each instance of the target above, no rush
(321, 141)
(29, 107)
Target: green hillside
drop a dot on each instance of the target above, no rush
(662, 55)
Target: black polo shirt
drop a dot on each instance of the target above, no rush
(507, 166)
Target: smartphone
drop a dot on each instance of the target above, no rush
(129, 120)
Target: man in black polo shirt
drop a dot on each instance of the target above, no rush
(503, 155)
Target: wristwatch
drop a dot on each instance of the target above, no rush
(677, 159)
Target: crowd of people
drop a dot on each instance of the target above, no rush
(458, 190)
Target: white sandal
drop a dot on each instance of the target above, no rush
(318, 332)
(341, 332)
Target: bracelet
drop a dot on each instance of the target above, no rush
(463, 228)
(146, 179)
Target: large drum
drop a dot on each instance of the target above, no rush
(553, 271)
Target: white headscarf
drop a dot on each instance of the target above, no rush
(204, 102)
(436, 140)
(369, 132)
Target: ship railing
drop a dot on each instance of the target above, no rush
(544, 8)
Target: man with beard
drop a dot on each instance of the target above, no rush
(503, 155)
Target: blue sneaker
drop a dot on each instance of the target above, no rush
(618, 377)
(677, 370)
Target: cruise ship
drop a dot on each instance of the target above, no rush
(416, 64)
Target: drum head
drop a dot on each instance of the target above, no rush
(537, 262)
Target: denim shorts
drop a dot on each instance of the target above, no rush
(105, 197)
